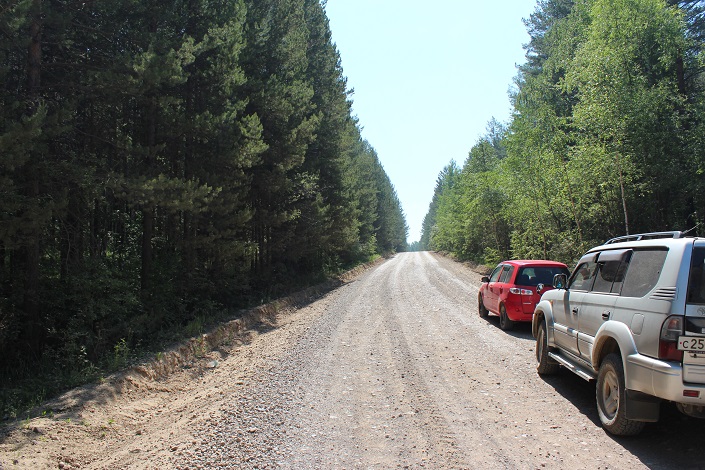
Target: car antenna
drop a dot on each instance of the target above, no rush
(691, 229)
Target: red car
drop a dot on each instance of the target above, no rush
(514, 288)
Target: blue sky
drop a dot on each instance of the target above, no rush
(428, 77)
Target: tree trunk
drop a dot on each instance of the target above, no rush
(71, 239)
(147, 235)
(572, 203)
(148, 209)
(31, 252)
(680, 71)
(624, 200)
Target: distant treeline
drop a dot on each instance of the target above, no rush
(164, 160)
(607, 137)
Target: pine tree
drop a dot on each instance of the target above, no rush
(280, 94)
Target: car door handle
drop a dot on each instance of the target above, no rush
(606, 315)
(575, 311)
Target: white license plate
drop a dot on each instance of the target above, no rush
(691, 343)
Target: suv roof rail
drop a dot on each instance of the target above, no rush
(645, 236)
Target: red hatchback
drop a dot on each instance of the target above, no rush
(514, 288)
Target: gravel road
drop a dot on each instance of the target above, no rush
(394, 369)
(399, 371)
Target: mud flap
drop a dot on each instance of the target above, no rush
(642, 407)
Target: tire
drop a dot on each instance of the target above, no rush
(481, 307)
(546, 365)
(504, 322)
(610, 395)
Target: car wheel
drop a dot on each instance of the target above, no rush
(504, 322)
(547, 366)
(481, 307)
(610, 396)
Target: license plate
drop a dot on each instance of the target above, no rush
(691, 343)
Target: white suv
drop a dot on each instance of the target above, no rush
(632, 317)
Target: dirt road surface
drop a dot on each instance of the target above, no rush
(395, 369)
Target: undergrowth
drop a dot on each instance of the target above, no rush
(30, 383)
(77, 357)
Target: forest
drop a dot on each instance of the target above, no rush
(606, 137)
(165, 164)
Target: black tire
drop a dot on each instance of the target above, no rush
(546, 365)
(504, 322)
(481, 307)
(610, 395)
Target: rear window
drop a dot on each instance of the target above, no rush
(696, 280)
(533, 276)
(643, 272)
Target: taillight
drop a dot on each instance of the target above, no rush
(518, 291)
(668, 342)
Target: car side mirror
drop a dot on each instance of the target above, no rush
(560, 281)
(485, 279)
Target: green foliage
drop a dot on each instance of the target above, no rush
(164, 165)
(445, 182)
(195, 327)
(121, 354)
(606, 137)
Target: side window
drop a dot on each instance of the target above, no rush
(495, 274)
(506, 274)
(610, 276)
(619, 277)
(584, 276)
(696, 280)
(611, 266)
(644, 271)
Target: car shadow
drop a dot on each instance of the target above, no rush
(675, 441)
(521, 330)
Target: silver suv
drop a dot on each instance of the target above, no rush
(632, 317)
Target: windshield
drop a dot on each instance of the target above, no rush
(535, 275)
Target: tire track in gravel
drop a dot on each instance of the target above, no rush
(386, 418)
(393, 370)
(442, 351)
(420, 420)
(370, 385)
(397, 370)
(356, 397)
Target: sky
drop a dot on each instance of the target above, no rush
(427, 78)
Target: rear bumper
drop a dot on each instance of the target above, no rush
(664, 379)
(518, 311)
